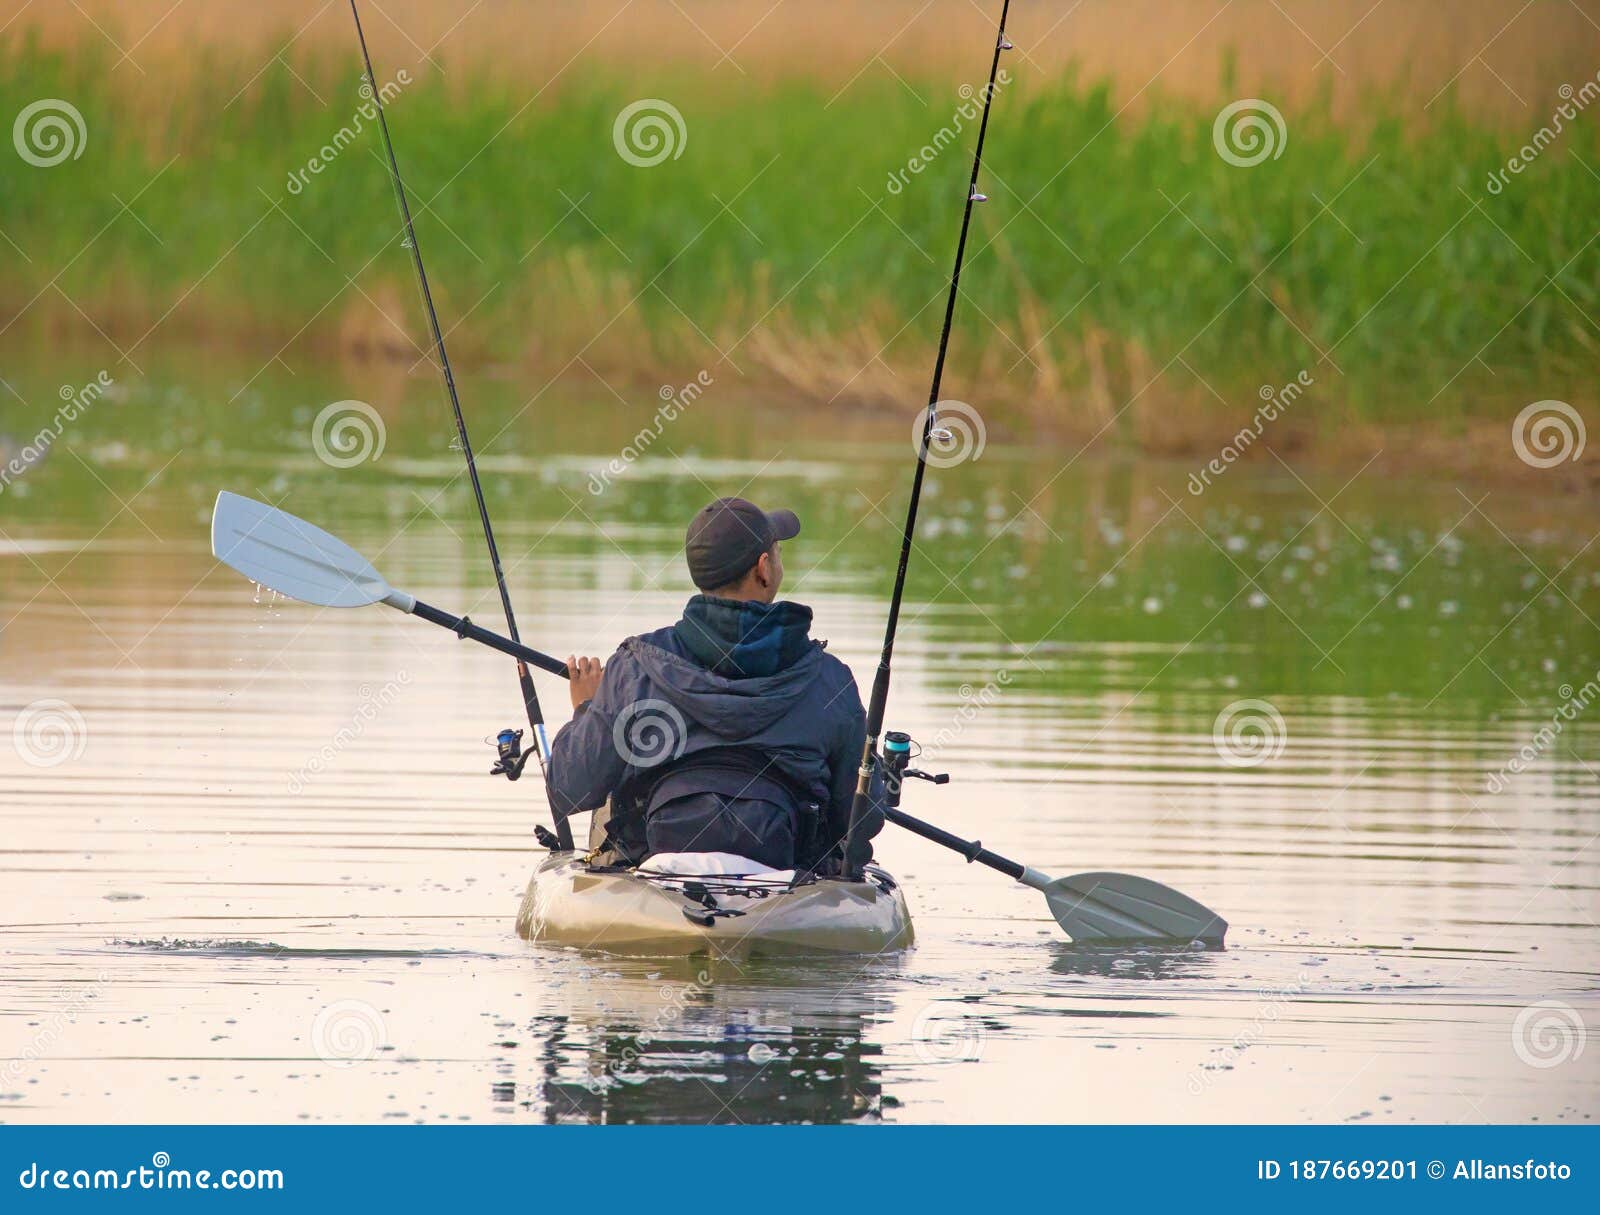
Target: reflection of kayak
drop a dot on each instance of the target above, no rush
(626, 912)
(672, 1040)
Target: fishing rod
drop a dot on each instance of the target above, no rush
(530, 695)
(861, 805)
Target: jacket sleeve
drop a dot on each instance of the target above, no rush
(585, 764)
(844, 766)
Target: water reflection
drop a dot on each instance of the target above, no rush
(703, 1044)
(717, 1067)
(1098, 962)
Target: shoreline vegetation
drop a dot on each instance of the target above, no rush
(1142, 276)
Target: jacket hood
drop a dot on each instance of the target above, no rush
(741, 638)
(729, 708)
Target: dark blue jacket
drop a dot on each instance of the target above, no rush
(730, 731)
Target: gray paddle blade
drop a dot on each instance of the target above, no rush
(1115, 907)
(291, 556)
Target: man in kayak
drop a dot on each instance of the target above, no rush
(731, 731)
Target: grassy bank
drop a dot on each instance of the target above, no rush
(1120, 258)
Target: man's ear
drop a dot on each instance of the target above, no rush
(764, 569)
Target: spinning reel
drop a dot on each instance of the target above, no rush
(897, 753)
(513, 759)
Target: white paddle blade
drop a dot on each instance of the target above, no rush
(291, 556)
(1114, 907)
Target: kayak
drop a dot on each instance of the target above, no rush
(642, 913)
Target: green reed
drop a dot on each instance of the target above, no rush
(790, 237)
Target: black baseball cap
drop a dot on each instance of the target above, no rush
(728, 536)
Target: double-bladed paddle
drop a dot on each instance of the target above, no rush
(298, 559)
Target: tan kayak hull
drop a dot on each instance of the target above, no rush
(620, 913)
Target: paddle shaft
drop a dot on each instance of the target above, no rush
(880, 683)
(530, 695)
(971, 849)
(464, 628)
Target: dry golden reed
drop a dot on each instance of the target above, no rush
(1497, 55)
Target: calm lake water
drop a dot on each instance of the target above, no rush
(254, 867)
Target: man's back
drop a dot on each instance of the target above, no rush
(730, 731)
